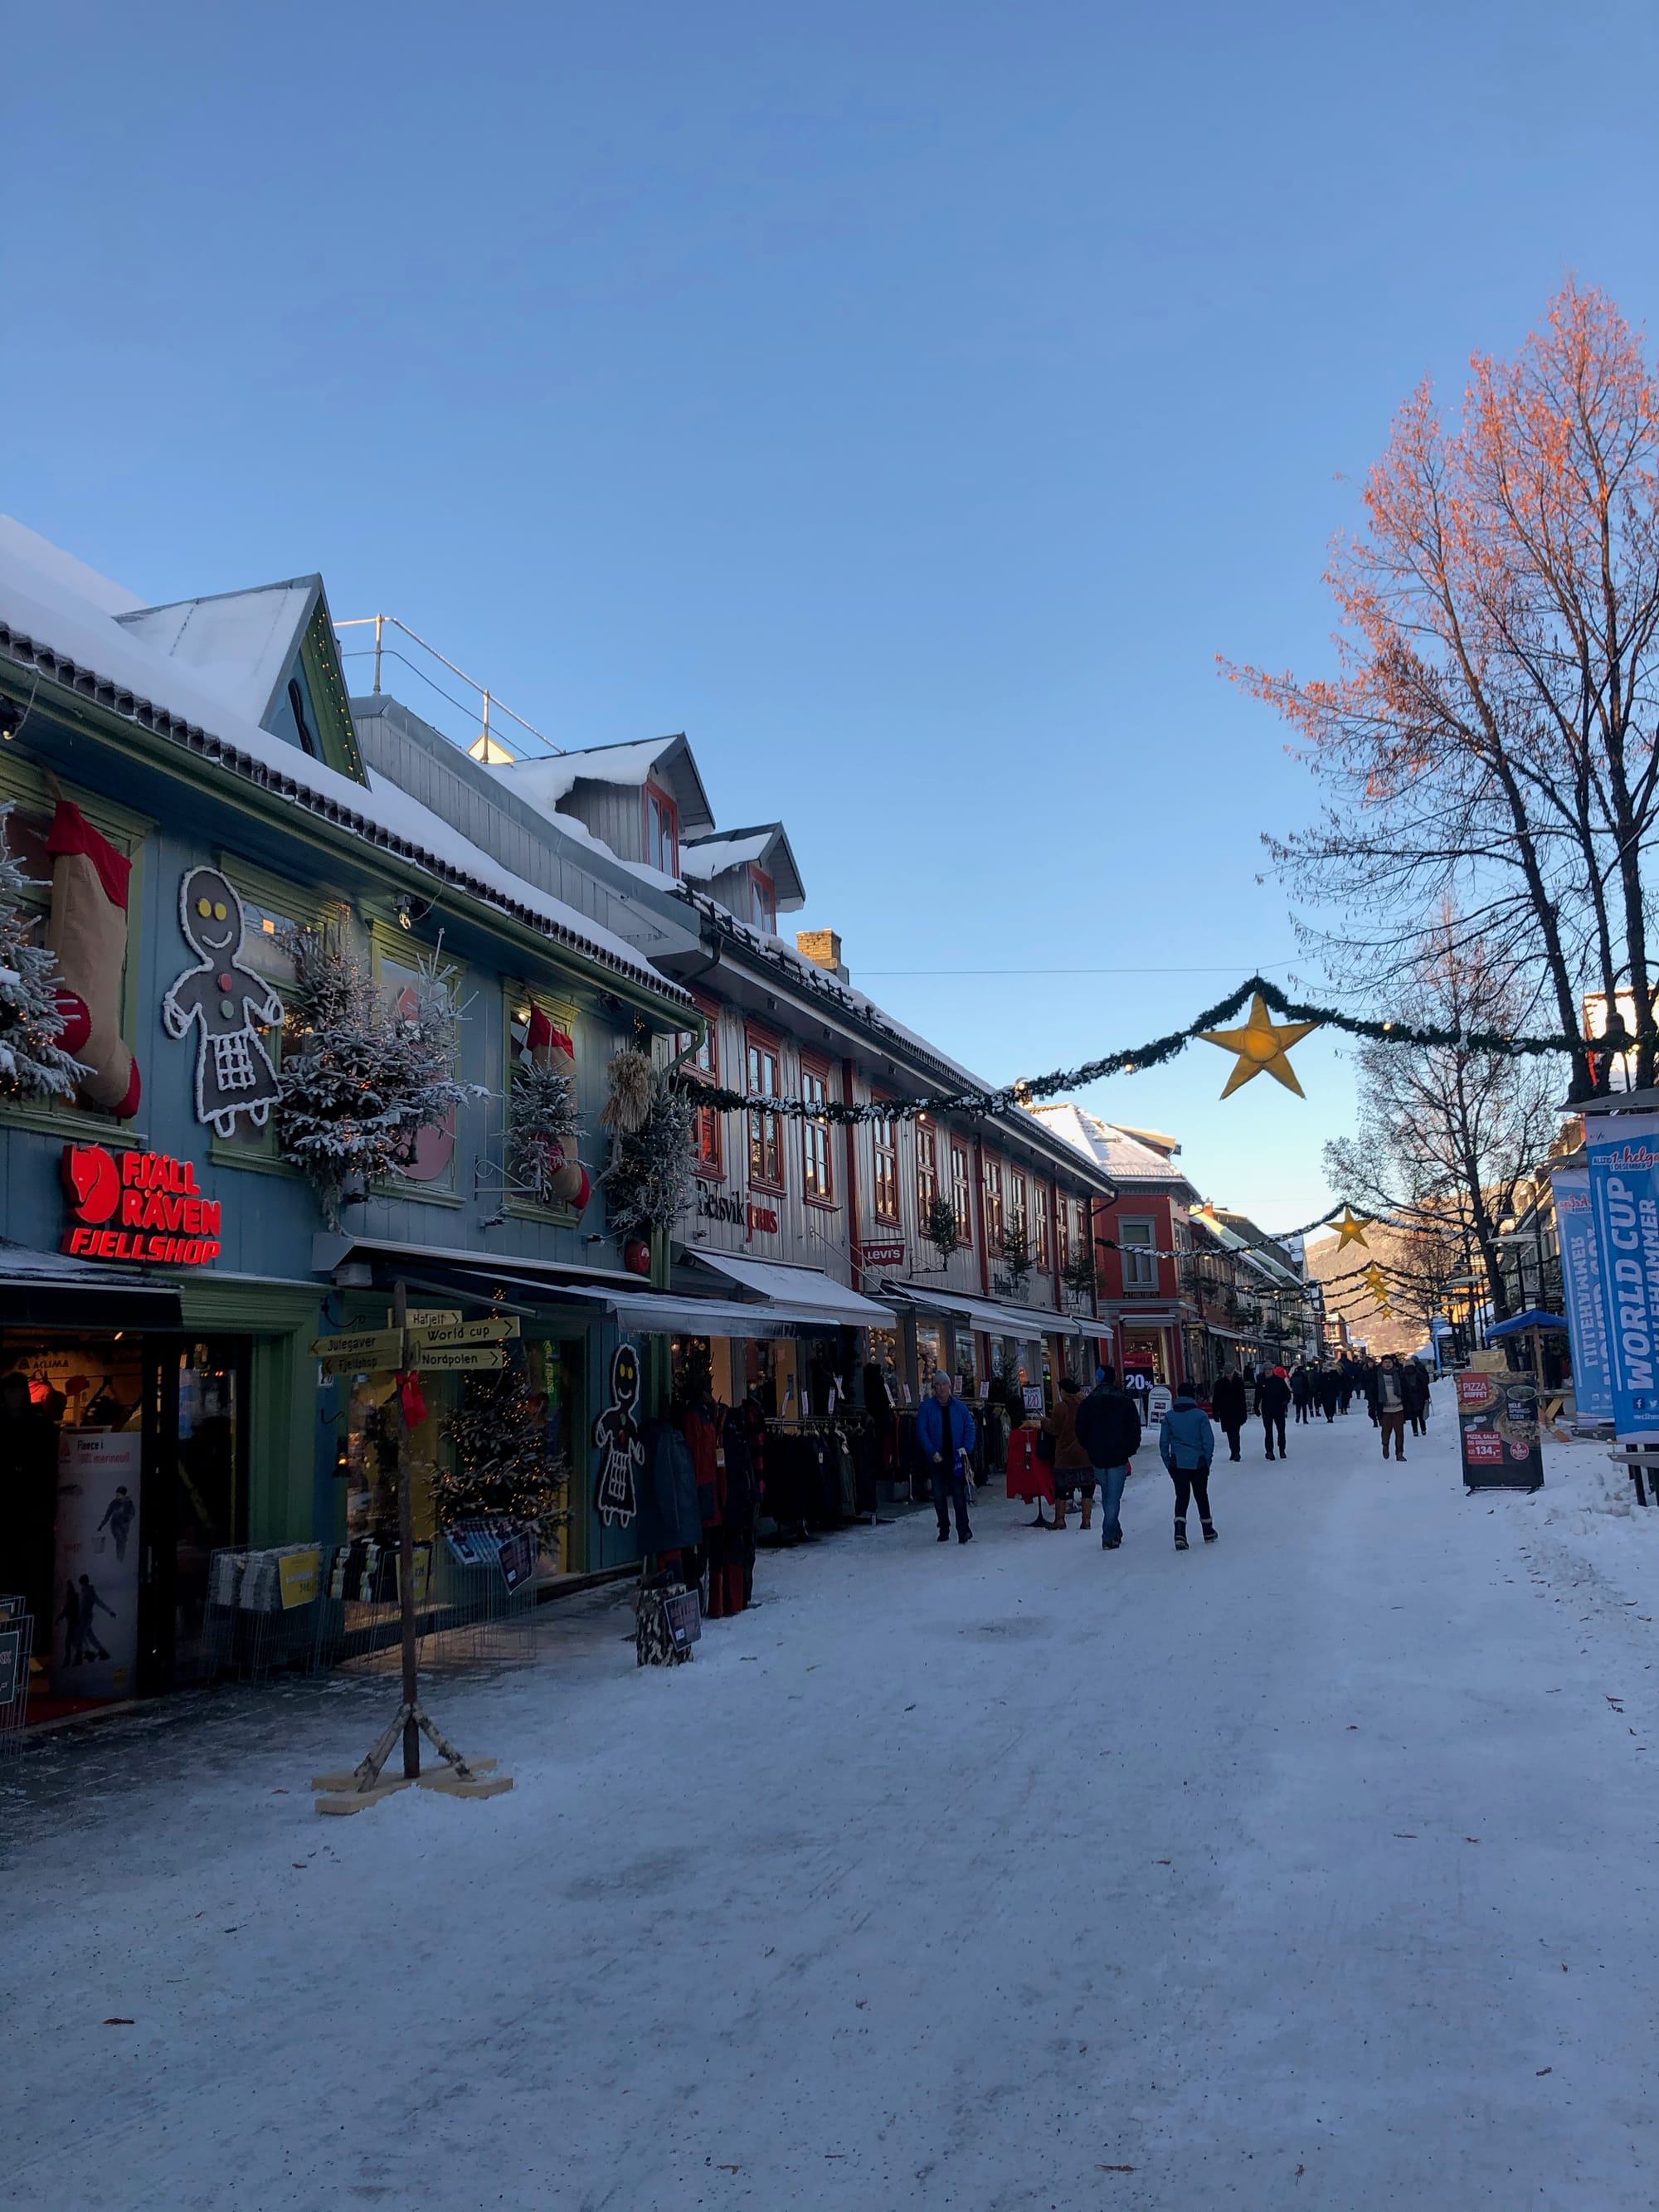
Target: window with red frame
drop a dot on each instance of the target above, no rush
(926, 1169)
(994, 1215)
(1064, 1224)
(1043, 1251)
(662, 830)
(816, 1177)
(765, 901)
(961, 1192)
(884, 1132)
(707, 1130)
(765, 1130)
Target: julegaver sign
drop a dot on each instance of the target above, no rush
(145, 1207)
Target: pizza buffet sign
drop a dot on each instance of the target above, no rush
(143, 1206)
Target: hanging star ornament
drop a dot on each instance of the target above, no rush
(1351, 1229)
(1261, 1045)
(1374, 1281)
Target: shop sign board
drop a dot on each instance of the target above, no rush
(144, 1207)
(1498, 1428)
(1586, 1296)
(360, 1351)
(95, 1627)
(518, 1557)
(1159, 1399)
(888, 1254)
(426, 1337)
(460, 1359)
(1622, 1150)
(297, 1574)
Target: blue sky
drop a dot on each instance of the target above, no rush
(909, 402)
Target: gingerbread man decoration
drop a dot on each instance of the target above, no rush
(231, 1004)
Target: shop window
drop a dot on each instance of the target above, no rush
(662, 830)
(1137, 1248)
(765, 1130)
(817, 1179)
(961, 1192)
(930, 1353)
(995, 1219)
(926, 1169)
(884, 1138)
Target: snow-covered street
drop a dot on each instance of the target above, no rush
(1316, 1866)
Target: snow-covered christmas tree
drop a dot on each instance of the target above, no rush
(33, 1063)
(648, 1180)
(360, 1079)
(541, 1128)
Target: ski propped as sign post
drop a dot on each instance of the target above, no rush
(351, 1790)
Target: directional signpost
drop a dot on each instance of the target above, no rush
(435, 1342)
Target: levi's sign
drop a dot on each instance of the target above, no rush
(145, 1207)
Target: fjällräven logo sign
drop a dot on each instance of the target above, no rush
(141, 1207)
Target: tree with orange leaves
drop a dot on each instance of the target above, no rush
(1489, 738)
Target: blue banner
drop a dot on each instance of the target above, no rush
(1582, 1294)
(1623, 1154)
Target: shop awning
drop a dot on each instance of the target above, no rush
(1025, 1322)
(668, 1313)
(49, 1290)
(804, 1288)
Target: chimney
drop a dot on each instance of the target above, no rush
(822, 948)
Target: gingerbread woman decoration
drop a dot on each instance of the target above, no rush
(234, 1073)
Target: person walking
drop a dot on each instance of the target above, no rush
(1348, 1380)
(1108, 1429)
(1301, 1390)
(1330, 1391)
(1230, 1404)
(944, 1432)
(1275, 1398)
(1415, 1386)
(1073, 1468)
(1187, 1445)
(1387, 1400)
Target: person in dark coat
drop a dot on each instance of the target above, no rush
(1228, 1401)
(1301, 1389)
(1415, 1376)
(1108, 1429)
(1330, 1391)
(1275, 1394)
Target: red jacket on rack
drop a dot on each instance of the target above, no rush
(1027, 1477)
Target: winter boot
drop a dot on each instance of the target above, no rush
(1088, 1511)
(1209, 1532)
(1180, 1536)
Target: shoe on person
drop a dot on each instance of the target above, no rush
(966, 1539)
(944, 1536)
(1209, 1532)
(1180, 1537)
(1111, 1543)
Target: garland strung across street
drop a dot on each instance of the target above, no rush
(1260, 1044)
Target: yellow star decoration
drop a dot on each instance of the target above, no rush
(1261, 1045)
(1349, 1230)
(1375, 1283)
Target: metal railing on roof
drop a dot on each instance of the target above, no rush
(485, 744)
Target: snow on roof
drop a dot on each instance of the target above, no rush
(1125, 1157)
(236, 644)
(46, 624)
(50, 561)
(545, 783)
(765, 846)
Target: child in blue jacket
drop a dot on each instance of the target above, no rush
(1187, 1445)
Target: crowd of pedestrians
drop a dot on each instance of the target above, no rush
(1086, 1442)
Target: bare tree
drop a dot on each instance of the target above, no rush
(1489, 738)
(1446, 1135)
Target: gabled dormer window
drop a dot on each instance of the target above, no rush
(765, 909)
(662, 830)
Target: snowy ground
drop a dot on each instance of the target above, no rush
(1316, 1868)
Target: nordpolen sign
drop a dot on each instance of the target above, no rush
(144, 1207)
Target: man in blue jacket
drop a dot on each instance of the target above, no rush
(1187, 1443)
(944, 1434)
